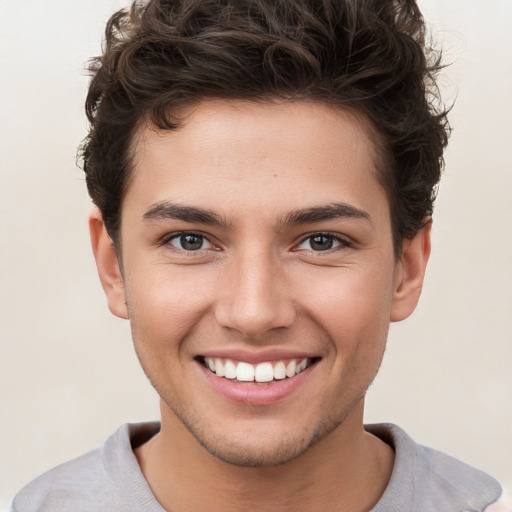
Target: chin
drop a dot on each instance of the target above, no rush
(248, 446)
(248, 455)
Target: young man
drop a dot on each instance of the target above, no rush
(264, 175)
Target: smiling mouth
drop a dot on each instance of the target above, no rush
(262, 373)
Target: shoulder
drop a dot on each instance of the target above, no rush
(95, 481)
(441, 476)
(70, 484)
(427, 480)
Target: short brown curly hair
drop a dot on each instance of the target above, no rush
(365, 55)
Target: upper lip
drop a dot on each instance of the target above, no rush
(258, 356)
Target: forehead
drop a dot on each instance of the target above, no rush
(255, 155)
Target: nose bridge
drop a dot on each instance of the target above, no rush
(256, 296)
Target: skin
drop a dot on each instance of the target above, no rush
(258, 287)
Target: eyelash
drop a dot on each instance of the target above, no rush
(176, 236)
(336, 240)
(341, 241)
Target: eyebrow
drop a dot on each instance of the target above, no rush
(192, 214)
(322, 213)
(167, 210)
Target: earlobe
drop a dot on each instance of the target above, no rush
(108, 266)
(410, 273)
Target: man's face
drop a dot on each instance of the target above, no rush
(254, 238)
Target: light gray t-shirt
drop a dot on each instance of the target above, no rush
(109, 479)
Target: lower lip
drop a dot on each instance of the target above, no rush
(253, 393)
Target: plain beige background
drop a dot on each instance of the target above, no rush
(68, 375)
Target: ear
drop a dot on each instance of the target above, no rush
(108, 266)
(410, 272)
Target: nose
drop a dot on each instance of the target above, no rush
(255, 296)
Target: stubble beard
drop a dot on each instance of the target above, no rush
(238, 454)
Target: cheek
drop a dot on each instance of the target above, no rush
(352, 308)
(165, 305)
(350, 300)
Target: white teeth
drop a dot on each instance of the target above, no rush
(230, 370)
(290, 369)
(279, 371)
(301, 366)
(245, 372)
(262, 372)
(218, 367)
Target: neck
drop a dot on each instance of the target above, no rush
(347, 470)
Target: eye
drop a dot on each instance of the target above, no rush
(190, 242)
(322, 242)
